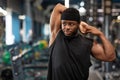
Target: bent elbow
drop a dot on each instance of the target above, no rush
(111, 58)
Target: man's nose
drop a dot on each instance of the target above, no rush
(67, 26)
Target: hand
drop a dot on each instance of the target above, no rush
(85, 28)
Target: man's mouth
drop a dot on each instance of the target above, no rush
(67, 33)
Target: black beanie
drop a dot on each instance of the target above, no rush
(71, 14)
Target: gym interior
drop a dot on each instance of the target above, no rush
(25, 33)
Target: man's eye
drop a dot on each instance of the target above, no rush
(71, 24)
(64, 24)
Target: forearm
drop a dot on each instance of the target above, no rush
(59, 8)
(108, 48)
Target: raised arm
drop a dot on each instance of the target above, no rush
(55, 21)
(104, 51)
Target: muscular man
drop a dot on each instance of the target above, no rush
(69, 51)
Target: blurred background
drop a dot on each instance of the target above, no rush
(24, 36)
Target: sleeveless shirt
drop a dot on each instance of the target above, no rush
(69, 58)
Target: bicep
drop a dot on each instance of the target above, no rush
(98, 51)
(55, 22)
(54, 25)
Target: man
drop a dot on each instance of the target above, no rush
(69, 51)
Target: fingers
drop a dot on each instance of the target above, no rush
(84, 27)
(83, 24)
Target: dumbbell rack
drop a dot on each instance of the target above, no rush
(16, 62)
(17, 59)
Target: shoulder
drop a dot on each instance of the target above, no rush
(90, 39)
(86, 39)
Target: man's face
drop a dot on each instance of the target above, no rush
(69, 27)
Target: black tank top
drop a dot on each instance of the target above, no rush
(69, 58)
